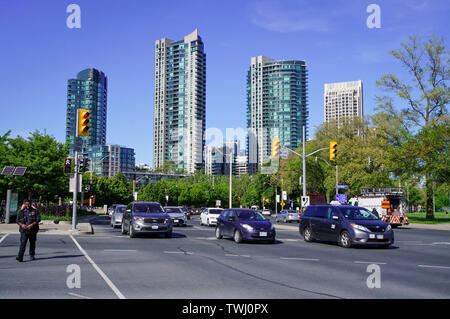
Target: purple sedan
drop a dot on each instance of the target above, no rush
(244, 225)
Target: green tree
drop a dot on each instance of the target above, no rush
(425, 96)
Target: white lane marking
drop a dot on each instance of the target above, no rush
(428, 266)
(119, 250)
(79, 296)
(178, 252)
(3, 238)
(206, 238)
(246, 256)
(231, 255)
(291, 239)
(369, 262)
(101, 273)
(295, 258)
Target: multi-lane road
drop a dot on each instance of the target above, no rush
(194, 264)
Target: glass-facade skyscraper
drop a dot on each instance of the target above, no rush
(180, 103)
(87, 91)
(277, 106)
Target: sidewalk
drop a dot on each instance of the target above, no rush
(48, 227)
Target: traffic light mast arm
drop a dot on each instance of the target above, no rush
(322, 149)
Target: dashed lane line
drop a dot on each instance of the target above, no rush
(78, 296)
(430, 266)
(101, 273)
(370, 262)
(297, 258)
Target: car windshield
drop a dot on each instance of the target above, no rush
(215, 211)
(173, 210)
(147, 208)
(120, 209)
(249, 215)
(357, 213)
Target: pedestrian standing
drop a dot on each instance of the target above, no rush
(28, 221)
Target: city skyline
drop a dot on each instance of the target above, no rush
(118, 39)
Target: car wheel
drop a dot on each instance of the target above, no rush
(131, 232)
(218, 233)
(123, 229)
(307, 234)
(237, 236)
(345, 239)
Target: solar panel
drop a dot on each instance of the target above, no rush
(20, 171)
(8, 170)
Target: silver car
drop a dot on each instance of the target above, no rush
(288, 216)
(116, 216)
(177, 216)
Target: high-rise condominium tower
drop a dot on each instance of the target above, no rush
(276, 106)
(180, 105)
(343, 101)
(87, 91)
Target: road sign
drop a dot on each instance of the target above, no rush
(284, 152)
(341, 198)
(87, 188)
(305, 201)
(282, 204)
(284, 195)
(342, 186)
(218, 203)
(72, 183)
(278, 198)
(292, 204)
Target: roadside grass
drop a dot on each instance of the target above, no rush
(80, 213)
(419, 218)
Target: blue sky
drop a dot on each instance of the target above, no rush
(39, 53)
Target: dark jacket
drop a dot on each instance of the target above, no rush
(27, 217)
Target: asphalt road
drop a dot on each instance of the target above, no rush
(194, 264)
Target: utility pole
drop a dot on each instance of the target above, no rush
(337, 189)
(304, 160)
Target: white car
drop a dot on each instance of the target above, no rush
(209, 216)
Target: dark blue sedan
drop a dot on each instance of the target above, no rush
(244, 225)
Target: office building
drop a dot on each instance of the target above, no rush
(276, 107)
(87, 91)
(108, 160)
(180, 103)
(343, 101)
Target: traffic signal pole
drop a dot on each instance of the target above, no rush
(75, 191)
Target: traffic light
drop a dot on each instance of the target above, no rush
(275, 148)
(333, 151)
(68, 165)
(84, 165)
(83, 122)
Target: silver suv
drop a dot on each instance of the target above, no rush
(146, 218)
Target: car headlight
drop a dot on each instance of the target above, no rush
(388, 228)
(360, 227)
(272, 227)
(247, 227)
(138, 219)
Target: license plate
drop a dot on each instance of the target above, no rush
(175, 221)
(262, 234)
(380, 236)
(154, 227)
(371, 236)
